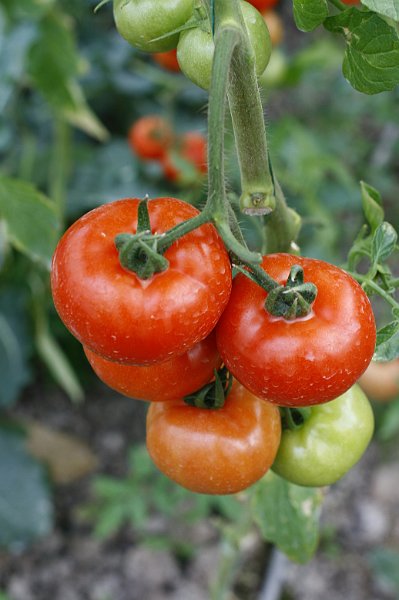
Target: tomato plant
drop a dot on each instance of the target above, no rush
(329, 441)
(306, 360)
(150, 137)
(144, 23)
(122, 317)
(167, 380)
(195, 49)
(167, 60)
(380, 381)
(219, 451)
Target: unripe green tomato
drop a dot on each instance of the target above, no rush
(329, 442)
(276, 71)
(196, 48)
(141, 21)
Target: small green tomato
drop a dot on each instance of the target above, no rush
(196, 48)
(329, 442)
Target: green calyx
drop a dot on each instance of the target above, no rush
(138, 252)
(213, 394)
(294, 299)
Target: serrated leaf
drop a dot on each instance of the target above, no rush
(25, 509)
(383, 243)
(288, 516)
(309, 14)
(387, 344)
(389, 8)
(371, 62)
(372, 206)
(31, 220)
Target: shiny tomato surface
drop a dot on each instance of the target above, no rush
(122, 317)
(303, 361)
(219, 451)
(168, 380)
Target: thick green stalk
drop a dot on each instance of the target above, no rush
(247, 115)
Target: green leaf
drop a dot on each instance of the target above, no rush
(14, 373)
(25, 509)
(288, 516)
(371, 62)
(309, 14)
(384, 563)
(31, 221)
(383, 243)
(54, 67)
(389, 8)
(388, 425)
(387, 345)
(372, 206)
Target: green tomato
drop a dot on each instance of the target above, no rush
(196, 47)
(141, 21)
(328, 443)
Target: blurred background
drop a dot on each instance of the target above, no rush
(83, 513)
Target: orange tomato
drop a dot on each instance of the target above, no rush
(214, 451)
(167, 60)
(150, 137)
(275, 26)
(381, 380)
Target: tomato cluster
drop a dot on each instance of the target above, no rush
(183, 157)
(161, 337)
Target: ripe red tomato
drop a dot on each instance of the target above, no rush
(122, 317)
(219, 451)
(192, 149)
(150, 137)
(168, 380)
(304, 361)
(351, 1)
(167, 60)
(262, 5)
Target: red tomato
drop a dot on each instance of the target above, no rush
(262, 5)
(351, 1)
(168, 380)
(167, 60)
(150, 137)
(304, 361)
(192, 149)
(122, 317)
(214, 451)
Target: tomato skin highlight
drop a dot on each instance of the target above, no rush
(196, 48)
(221, 451)
(160, 382)
(305, 361)
(123, 318)
(150, 137)
(142, 21)
(329, 443)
